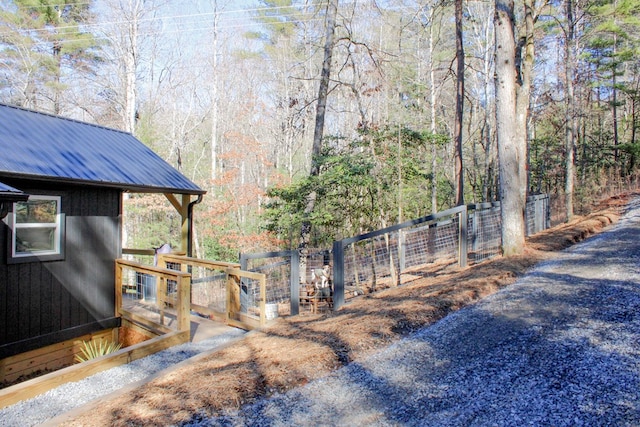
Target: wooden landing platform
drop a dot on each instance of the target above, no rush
(202, 328)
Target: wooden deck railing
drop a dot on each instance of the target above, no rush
(241, 300)
(209, 282)
(186, 261)
(180, 300)
(251, 314)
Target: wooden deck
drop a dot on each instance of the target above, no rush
(202, 328)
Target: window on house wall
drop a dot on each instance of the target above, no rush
(37, 230)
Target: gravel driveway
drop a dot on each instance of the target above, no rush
(561, 347)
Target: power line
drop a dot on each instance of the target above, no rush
(229, 23)
(173, 18)
(176, 30)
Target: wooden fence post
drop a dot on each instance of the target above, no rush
(233, 295)
(118, 288)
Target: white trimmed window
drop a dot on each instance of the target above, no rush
(37, 229)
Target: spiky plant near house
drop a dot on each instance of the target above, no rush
(96, 348)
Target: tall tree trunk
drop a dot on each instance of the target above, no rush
(214, 95)
(524, 56)
(570, 119)
(488, 182)
(432, 91)
(510, 154)
(457, 129)
(316, 149)
(57, 49)
(133, 11)
(614, 102)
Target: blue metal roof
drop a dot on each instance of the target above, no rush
(41, 146)
(4, 188)
(7, 192)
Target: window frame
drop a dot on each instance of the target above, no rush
(58, 226)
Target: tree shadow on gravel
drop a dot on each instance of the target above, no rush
(559, 353)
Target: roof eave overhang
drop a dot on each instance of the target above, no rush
(102, 184)
(11, 196)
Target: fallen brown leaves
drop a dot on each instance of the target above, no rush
(293, 351)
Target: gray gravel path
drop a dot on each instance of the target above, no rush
(75, 394)
(561, 347)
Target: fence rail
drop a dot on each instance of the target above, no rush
(397, 254)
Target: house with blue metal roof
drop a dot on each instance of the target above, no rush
(61, 193)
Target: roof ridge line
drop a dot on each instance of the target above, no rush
(44, 113)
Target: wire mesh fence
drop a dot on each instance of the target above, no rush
(395, 255)
(209, 283)
(538, 214)
(277, 266)
(283, 277)
(208, 287)
(251, 301)
(484, 232)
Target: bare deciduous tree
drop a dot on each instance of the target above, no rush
(457, 129)
(510, 151)
(123, 51)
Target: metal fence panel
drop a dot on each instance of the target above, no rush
(484, 232)
(384, 258)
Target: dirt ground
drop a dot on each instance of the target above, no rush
(293, 351)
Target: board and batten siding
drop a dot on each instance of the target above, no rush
(42, 303)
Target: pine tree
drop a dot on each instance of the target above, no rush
(44, 48)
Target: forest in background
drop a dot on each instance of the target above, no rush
(227, 92)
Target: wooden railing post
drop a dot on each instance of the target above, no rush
(161, 295)
(118, 289)
(233, 295)
(162, 262)
(184, 303)
(263, 300)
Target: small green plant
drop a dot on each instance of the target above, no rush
(92, 349)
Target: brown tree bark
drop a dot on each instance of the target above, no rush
(457, 130)
(570, 119)
(509, 152)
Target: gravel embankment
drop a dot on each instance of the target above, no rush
(561, 347)
(75, 394)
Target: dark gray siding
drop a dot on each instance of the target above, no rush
(46, 302)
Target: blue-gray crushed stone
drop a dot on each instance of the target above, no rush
(74, 394)
(561, 347)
